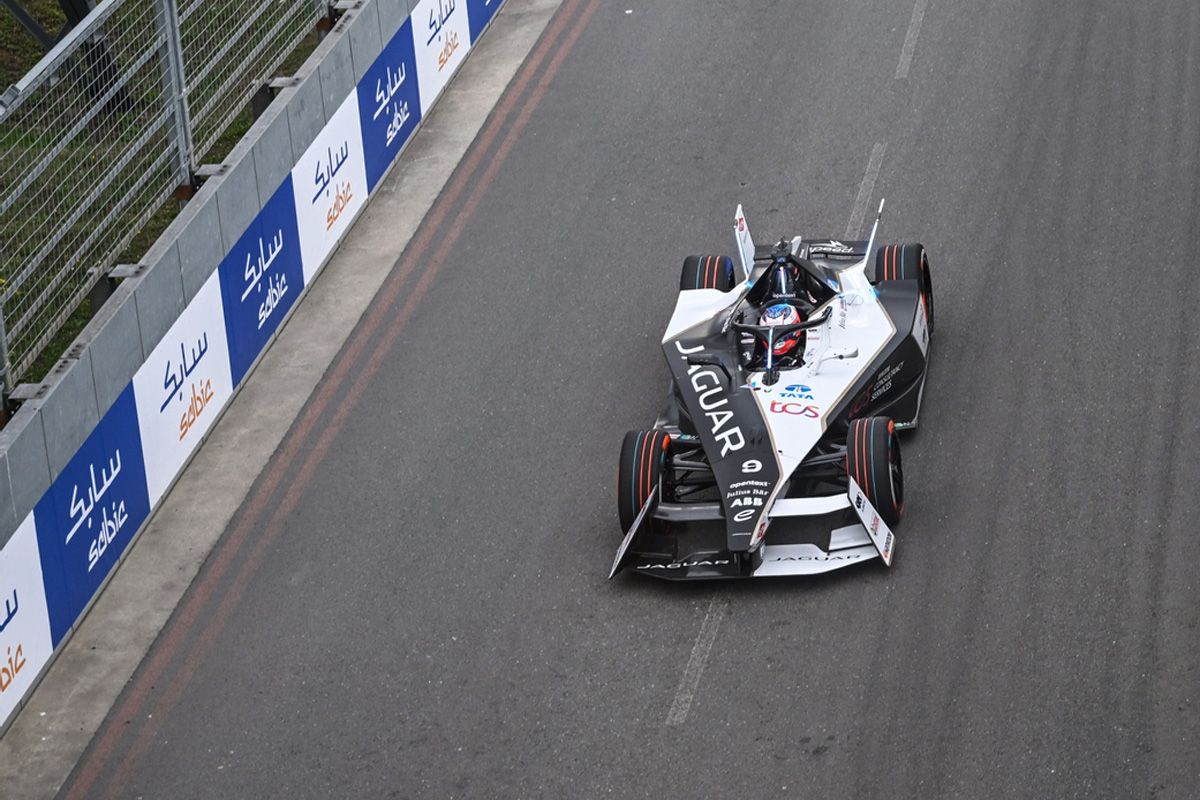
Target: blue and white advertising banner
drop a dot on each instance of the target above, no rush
(182, 387)
(91, 511)
(442, 37)
(331, 186)
(24, 624)
(480, 12)
(389, 103)
(261, 278)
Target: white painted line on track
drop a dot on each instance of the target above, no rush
(865, 189)
(695, 666)
(910, 40)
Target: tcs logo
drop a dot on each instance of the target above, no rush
(795, 409)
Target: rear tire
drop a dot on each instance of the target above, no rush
(905, 262)
(873, 461)
(707, 272)
(643, 459)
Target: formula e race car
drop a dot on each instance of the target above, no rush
(777, 452)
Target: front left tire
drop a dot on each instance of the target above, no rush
(873, 461)
(707, 272)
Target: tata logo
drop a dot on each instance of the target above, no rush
(796, 391)
(795, 409)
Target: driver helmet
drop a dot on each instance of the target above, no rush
(783, 314)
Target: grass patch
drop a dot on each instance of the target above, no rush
(19, 51)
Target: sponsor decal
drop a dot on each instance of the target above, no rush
(887, 546)
(441, 37)
(24, 628)
(261, 277)
(884, 382)
(480, 12)
(389, 103)
(833, 246)
(749, 496)
(182, 387)
(740, 484)
(826, 557)
(91, 511)
(760, 530)
(714, 402)
(795, 409)
(797, 391)
(720, 562)
(330, 183)
(921, 327)
(747, 501)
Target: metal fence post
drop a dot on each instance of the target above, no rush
(175, 87)
(6, 386)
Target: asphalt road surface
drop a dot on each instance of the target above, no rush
(415, 604)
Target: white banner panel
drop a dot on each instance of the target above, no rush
(182, 387)
(442, 36)
(330, 181)
(24, 622)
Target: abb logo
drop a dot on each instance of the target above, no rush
(795, 409)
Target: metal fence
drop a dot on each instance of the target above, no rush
(96, 138)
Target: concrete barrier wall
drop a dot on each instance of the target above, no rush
(85, 462)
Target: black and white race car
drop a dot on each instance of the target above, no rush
(777, 452)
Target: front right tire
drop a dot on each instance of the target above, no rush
(643, 460)
(904, 262)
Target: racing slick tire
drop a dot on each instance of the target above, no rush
(903, 262)
(707, 272)
(643, 458)
(873, 461)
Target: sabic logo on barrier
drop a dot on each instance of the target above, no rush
(174, 380)
(438, 17)
(112, 515)
(14, 661)
(400, 113)
(325, 177)
(277, 286)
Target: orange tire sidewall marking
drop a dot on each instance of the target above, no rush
(644, 482)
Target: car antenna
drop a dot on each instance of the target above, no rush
(874, 229)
